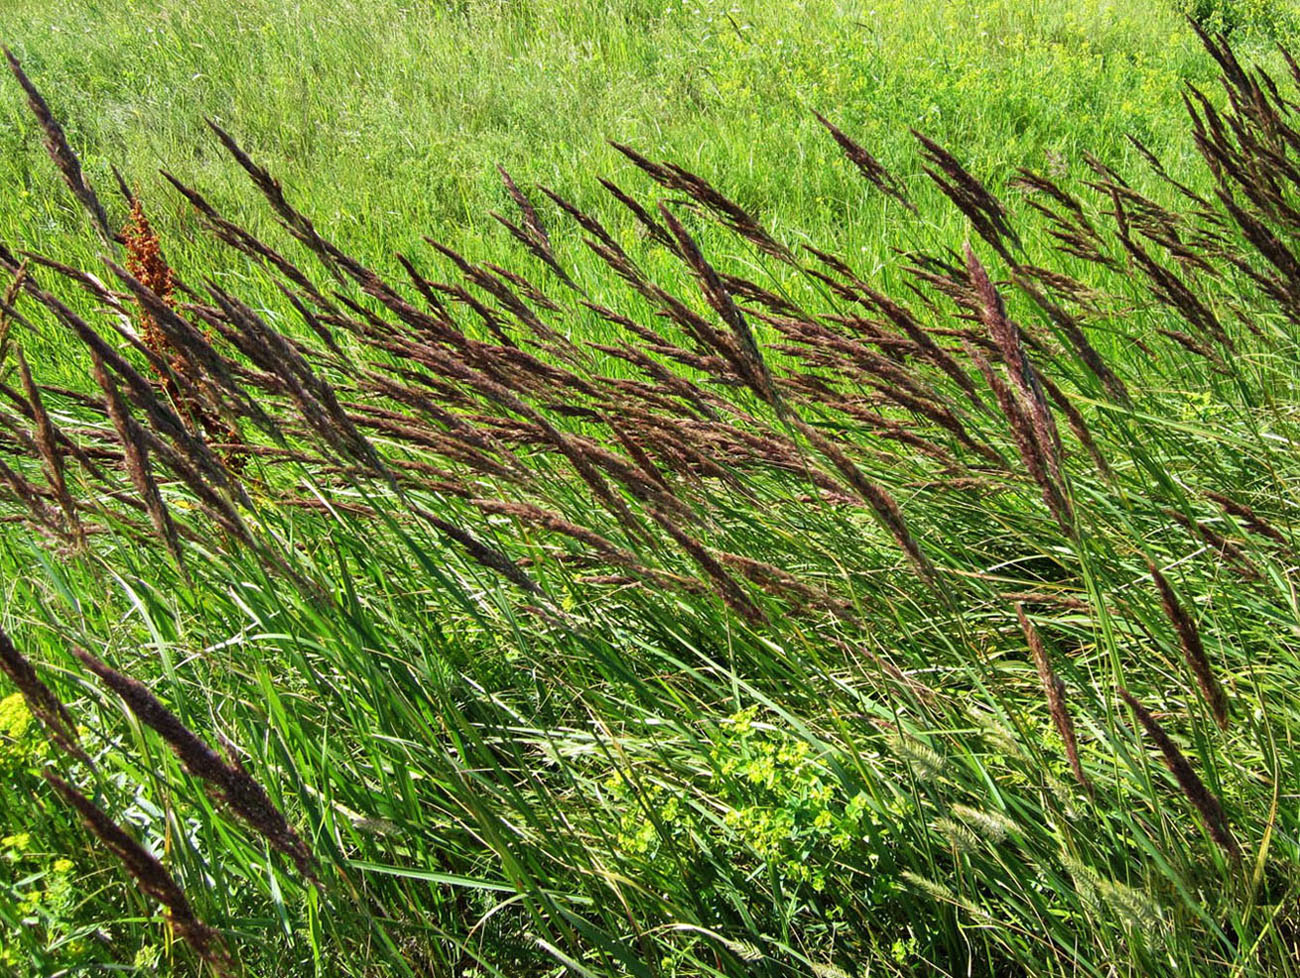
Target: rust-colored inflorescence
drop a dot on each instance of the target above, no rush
(144, 260)
(181, 380)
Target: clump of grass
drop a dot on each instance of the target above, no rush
(520, 549)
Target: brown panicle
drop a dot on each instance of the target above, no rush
(56, 143)
(743, 352)
(1250, 519)
(870, 167)
(149, 874)
(1189, 638)
(532, 234)
(232, 783)
(1054, 689)
(51, 454)
(1211, 812)
(41, 701)
(136, 457)
(706, 195)
(10, 297)
(1025, 405)
(985, 212)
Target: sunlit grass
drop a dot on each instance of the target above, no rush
(626, 767)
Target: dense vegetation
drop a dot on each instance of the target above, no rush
(777, 542)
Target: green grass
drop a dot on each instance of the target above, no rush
(386, 119)
(629, 777)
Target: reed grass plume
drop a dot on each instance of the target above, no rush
(227, 778)
(1189, 639)
(56, 143)
(150, 875)
(1054, 691)
(11, 294)
(1193, 788)
(42, 701)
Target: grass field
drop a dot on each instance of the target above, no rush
(819, 549)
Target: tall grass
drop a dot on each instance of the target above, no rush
(713, 605)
